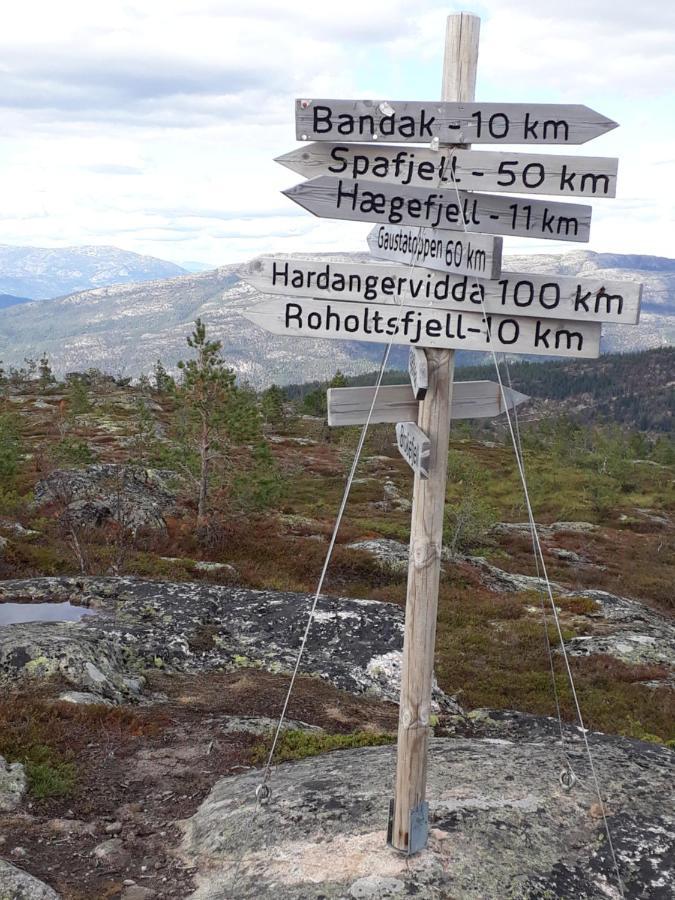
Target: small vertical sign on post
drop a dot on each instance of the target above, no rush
(419, 372)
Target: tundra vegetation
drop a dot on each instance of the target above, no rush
(257, 478)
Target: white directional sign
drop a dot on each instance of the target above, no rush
(418, 369)
(396, 402)
(452, 123)
(519, 293)
(464, 254)
(365, 201)
(384, 324)
(414, 446)
(472, 170)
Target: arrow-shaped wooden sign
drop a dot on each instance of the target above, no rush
(472, 170)
(384, 324)
(396, 402)
(515, 293)
(414, 446)
(479, 255)
(365, 201)
(452, 123)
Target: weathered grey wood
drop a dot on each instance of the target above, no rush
(381, 324)
(396, 402)
(415, 447)
(479, 255)
(472, 170)
(365, 201)
(418, 369)
(514, 293)
(391, 121)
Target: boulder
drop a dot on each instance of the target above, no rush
(15, 884)
(12, 785)
(133, 497)
(502, 824)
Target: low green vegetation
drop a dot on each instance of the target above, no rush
(295, 744)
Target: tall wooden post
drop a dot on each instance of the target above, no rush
(409, 819)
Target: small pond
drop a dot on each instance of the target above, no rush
(13, 613)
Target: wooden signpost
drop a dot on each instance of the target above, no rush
(449, 293)
(472, 170)
(363, 201)
(415, 448)
(397, 402)
(418, 370)
(514, 293)
(391, 121)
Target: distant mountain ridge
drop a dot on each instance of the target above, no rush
(125, 328)
(39, 273)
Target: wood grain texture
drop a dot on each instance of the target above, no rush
(471, 170)
(426, 526)
(438, 328)
(514, 293)
(397, 403)
(394, 121)
(479, 255)
(365, 201)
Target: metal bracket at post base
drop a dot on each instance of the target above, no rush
(418, 829)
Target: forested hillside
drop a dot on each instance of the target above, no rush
(630, 389)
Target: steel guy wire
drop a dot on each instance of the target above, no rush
(537, 542)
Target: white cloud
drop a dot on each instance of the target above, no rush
(153, 126)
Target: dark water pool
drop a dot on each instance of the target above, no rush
(12, 613)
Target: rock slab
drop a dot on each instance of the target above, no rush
(15, 884)
(502, 825)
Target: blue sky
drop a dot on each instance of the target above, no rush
(153, 125)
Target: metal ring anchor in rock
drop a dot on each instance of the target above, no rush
(567, 778)
(263, 794)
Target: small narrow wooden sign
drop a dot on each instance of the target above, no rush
(396, 402)
(382, 324)
(414, 446)
(472, 170)
(515, 293)
(365, 201)
(391, 121)
(418, 369)
(479, 255)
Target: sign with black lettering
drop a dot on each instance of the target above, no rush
(464, 254)
(414, 446)
(452, 123)
(396, 402)
(418, 369)
(472, 170)
(364, 201)
(514, 293)
(384, 324)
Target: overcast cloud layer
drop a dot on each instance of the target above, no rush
(153, 126)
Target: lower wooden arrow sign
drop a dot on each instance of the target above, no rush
(396, 402)
(414, 446)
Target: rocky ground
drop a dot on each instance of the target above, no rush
(501, 825)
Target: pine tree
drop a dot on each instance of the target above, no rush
(217, 412)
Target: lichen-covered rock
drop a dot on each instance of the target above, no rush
(132, 497)
(15, 884)
(86, 659)
(502, 826)
(544, 531)
(188, 627)
(12, 785)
